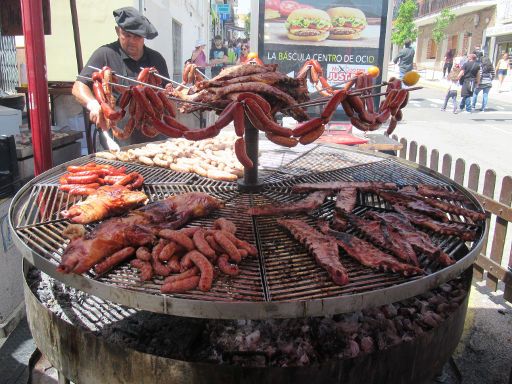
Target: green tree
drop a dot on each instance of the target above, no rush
(403, 25)
(442, 22)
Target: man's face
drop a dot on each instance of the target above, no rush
(132, 44)
(218, 43)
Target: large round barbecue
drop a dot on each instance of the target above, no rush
(308, 232)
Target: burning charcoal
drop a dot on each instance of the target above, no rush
(437, 299)
(367, 344)
(436, 317)
(352, 349)
(408, 325)
(389, 310)
(446, 287)
(427, 320)
(252, 339)
(348, 327)
(443, 308)
(399, 325)
(381, 341)
(406, 311)
(417, 329)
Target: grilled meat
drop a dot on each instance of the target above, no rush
(372, 257)
(386, 237)
(419, 240)
(323, 248)
(437, 191)
(346, 200)
(452, 229)
(411, 202)
(107, 201)
(307, 204)
(337, 185)
(135, 229)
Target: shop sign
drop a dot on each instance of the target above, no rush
(344, 36)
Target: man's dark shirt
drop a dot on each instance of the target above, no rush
(218, 53)
(406, 57)
(471, 69)
(113, 56)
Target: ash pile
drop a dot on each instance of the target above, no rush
(254, 343)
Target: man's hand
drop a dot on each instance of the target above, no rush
(95, 114)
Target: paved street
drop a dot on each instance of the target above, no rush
(482, 138)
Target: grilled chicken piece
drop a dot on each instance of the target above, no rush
(108, 200)
(323, 247)
(135, 229)
(307, 204)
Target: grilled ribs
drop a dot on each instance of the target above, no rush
(411, 202)
(373, 257)
(452, 229)
(135, 229)
(346, 200)
(437, 191)
(337, 185)
(108, 200)
(418, 240)
(323, 247)
(307, 204)
(385, 237)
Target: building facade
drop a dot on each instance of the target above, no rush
(473, 18)
(499, 37)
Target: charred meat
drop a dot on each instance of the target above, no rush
(136, 229)
(108, 200)
(323, 247)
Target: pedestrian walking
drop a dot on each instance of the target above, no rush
(502, 69)
(448, 63)
(468, 78)
(451, 93)
(405, 59)
(484, 84)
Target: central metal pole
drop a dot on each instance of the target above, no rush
(250, 182)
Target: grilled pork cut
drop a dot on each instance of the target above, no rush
(373, 257)
(135, 229)
(108, 200)
(323, 247)
(309, 203)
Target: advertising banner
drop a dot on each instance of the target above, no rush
(344, 36)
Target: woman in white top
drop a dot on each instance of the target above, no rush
(502, 69)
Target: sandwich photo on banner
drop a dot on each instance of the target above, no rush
(343, 23)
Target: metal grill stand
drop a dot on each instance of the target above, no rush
(250, 182)
(284, 281)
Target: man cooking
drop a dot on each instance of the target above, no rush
(125, 57)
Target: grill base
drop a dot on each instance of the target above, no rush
(86, 358)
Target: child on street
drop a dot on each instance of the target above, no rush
(452, 89)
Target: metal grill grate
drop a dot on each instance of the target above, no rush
(284, 281)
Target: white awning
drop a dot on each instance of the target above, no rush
(499, 30)
(459, 10)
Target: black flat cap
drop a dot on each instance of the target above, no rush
(129, 19)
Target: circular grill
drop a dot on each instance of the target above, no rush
(284, 281)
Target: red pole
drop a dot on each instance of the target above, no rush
(32, 17)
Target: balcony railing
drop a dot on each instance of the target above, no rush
(429, 7)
